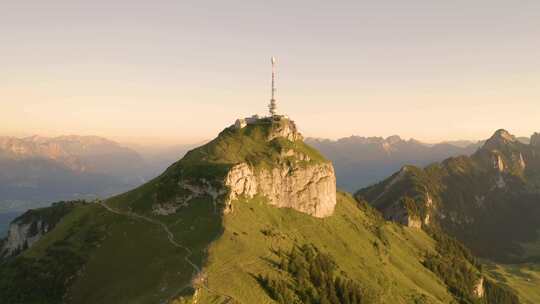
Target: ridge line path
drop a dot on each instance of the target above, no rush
(170, 237)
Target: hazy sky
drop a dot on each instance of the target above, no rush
(182, 70)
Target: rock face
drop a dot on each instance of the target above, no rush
(286, 129)
(310, 189)
(498, 163)
(535, 140)
(479, 289)
(399, 214)
(30, 227)
(23, 235)
(298, 184)
(500, 138)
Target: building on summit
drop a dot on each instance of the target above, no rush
(272, 107)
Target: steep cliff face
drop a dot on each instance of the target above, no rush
(22, 236)
(30, 227)
(479, 290)
(309, 189)
(266, 157)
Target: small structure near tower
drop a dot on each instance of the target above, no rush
(272, 107)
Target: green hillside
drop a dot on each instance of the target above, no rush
(383, 258)
(122, 251)
(126, 259)
(489, 201)
(523, 278)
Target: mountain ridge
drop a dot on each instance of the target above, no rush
(220, 245)
(362, 161)
(468, 195)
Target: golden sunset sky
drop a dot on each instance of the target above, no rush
(180, 71)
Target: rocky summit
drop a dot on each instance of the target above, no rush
(265, 157)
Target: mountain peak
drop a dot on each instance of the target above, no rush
(255, 156)
(500, 138)
(503, 134)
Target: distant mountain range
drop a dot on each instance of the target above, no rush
(362, 161)
(37, 169)
(489, 200)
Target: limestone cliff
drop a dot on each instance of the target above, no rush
(23, 235)
(479, 290)
(309, 189)
(30, 227)
(265, 157)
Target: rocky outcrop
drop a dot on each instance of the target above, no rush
(310, 189)
(498, 163)
(398, 213)
(479, 290)
(521, 162)
(535, 140)
(285, 128)
(191, 190)
(499, 139)
(30, 227)
(23, 235)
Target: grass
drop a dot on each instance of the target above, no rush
(523, 278)
(142, 265)
(128, 260)
(249, 145)
(115, 258)
(390, 272)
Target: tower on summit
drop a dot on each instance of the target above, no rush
(273, 105)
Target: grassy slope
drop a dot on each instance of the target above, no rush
(137, 264)
(391, 273)
(131, 260)
(128, 261)
(523, 278)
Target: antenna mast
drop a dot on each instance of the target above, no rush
(273, 106)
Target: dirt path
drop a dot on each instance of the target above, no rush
(170, 236)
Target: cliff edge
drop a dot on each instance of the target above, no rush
(264, 156)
